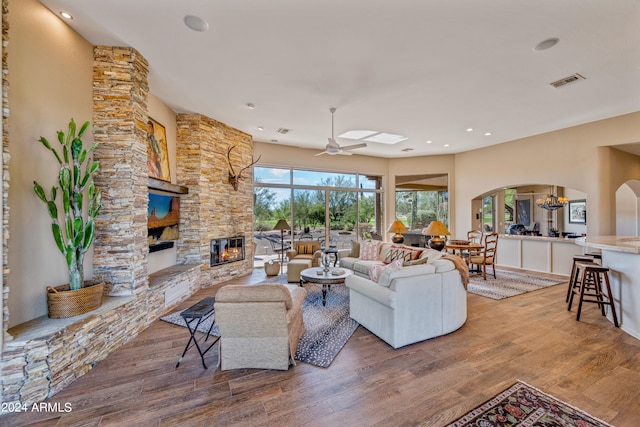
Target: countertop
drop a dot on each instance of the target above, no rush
(627, 244)
(538, 238)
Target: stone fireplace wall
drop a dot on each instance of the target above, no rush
(45, 356)
(213, 209)
(120, 92)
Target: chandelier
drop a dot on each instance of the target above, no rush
(552, 203)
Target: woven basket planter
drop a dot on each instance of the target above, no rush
(272, 268)
(62, 302)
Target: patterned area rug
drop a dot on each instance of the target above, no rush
(524, 405)
(327, 328)
(508, 284)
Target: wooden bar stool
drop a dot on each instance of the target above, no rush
(591, 279)
(596, 255)
(574, 281)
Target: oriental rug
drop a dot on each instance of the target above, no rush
(524, 405)
(508, 284)
(327, 328)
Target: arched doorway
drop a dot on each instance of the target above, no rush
(628, 208)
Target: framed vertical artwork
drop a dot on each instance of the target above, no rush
(158, 155)
(523, 211)
(577, 211)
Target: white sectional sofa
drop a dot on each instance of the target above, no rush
(407, 304)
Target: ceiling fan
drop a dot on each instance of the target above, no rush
(333, 147)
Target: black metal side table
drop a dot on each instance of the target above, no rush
(198, 313)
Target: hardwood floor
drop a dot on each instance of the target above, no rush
(532, 337)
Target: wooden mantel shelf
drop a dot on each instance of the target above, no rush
(157, 184)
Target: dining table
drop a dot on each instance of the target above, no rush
(461, 247)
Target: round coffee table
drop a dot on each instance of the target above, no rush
(335, 276)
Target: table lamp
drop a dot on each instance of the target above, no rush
(436, 229)
(397, 227)
(282, 225)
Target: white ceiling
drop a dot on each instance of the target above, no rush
(426, 69)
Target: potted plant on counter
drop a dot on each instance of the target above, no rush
(73, 230)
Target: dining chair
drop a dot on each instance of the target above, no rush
(474, 236)
(487, 256)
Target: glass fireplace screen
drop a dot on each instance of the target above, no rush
(229, 249)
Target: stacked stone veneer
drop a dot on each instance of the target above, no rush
(35, 368)
(120, 92)
(213, 209)
(5, 170)
(46, 354)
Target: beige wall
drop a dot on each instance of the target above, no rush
(568, 158)
(48, 86)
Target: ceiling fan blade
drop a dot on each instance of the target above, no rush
(353, 147)
(344, 153)
(321, 153)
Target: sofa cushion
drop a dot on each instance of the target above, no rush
(369, 250)
(432, 254)
(362, 266)
(376, 270)
(401, 252)
(355, 249)
(396, 273)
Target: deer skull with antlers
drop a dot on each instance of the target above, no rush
(234, 179)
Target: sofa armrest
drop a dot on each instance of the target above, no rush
(317, 257)
(291, 253)
(342, 253)
(371, 289)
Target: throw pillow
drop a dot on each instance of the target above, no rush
(369, 250)
(375, 271)
(355, 249)
(402, 252)
(387, 270)
(417, 261)
(305, 249)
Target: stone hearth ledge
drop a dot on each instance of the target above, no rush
(43, 327)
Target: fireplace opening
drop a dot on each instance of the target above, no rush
(226, 250)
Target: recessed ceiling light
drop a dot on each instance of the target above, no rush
(446, 145)
(260, 128)
(357, 134)
(386, 138)
(65, 15)
(196, 23)
(487, 134)
(546, 44)
(250, 106)
(469, 129)
(428, 142)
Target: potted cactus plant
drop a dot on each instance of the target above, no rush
(73, 230)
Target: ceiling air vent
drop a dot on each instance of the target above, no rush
(283, 131)
(567, 80)
(407, 149)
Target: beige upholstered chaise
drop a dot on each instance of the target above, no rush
(260, 325)
(306, 249)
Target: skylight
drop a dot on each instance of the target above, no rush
(386, 138)
(357, 134)
(373, 136)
